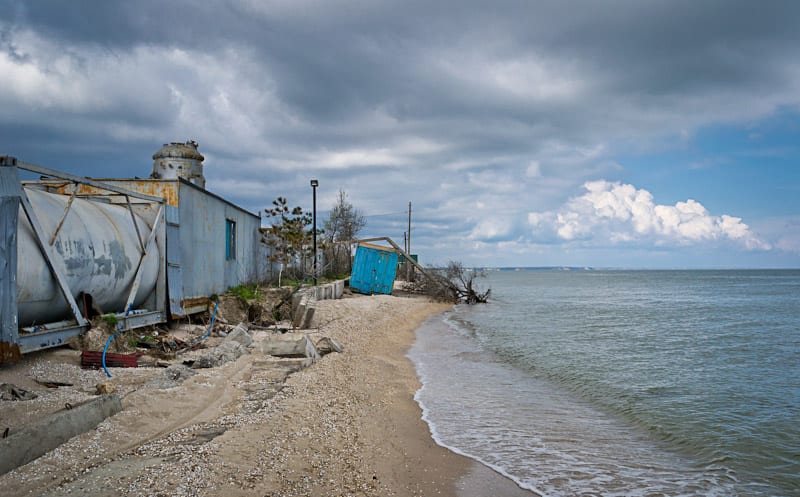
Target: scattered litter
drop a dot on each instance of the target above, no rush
(52, 384)
(13, 392)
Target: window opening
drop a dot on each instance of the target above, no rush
(230, 239)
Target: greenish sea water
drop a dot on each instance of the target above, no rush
(623, 382)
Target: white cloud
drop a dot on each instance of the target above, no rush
(534, 169)
(619, 213)
(491, 230)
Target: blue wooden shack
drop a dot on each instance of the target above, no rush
(374, 269)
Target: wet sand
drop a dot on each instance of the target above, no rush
(347, 425)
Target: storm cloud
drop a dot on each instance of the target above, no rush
(481, 114)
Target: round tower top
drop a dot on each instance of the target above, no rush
(179, 150)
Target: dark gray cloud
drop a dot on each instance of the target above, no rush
(480, 113)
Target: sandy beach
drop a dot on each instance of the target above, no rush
(347, 425)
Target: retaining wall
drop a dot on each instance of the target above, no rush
(303, 301)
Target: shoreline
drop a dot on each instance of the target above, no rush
(347, 425)
(426, 468)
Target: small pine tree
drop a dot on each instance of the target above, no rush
(288, 237)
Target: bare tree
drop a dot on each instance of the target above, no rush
(454, 283)
(343, 224)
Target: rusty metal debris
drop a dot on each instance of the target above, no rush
(92, 359)
(52, 384)
(9, 352)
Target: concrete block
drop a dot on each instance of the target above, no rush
(308, 317)
(326, 345)
(299, 314)
(296, 298)
(288, 345)
(26, 444)
(240, 334)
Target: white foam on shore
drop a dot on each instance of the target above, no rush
(544, 439)
(442, 443)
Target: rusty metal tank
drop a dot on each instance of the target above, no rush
(97, 248)
(179, 160)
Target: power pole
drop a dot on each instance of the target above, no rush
(408, 248)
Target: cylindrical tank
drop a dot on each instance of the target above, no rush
(97, 249)
(179, 160)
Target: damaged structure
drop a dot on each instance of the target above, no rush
(374, 269)
(145, 250)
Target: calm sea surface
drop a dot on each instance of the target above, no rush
(623, 383)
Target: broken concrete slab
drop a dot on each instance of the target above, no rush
(326, 345)
(296, 299)
(240, 334)
(308, 316)
(44, 435)
(225, 352)
(172, 376)
(302, 307)
(292, 365)
(288, 345)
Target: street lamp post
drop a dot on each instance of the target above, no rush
(314, 185)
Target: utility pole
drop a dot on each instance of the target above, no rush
(408, 247)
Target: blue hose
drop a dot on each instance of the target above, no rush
(211, 326)
(105, 349)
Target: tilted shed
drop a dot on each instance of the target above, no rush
(374, 269)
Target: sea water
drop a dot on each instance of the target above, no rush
(622, 383)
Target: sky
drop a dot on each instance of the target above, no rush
(632, 134)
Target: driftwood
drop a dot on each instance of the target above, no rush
(453, 283)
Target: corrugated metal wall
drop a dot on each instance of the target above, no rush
(207, 267)
(204, 258)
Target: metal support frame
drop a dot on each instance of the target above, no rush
(49, 257)
(49, 335)
(86, 181)
(63, 217)
(9, 214)
(12, 196)
(136, 225)
(138, 277)
(138, 319)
